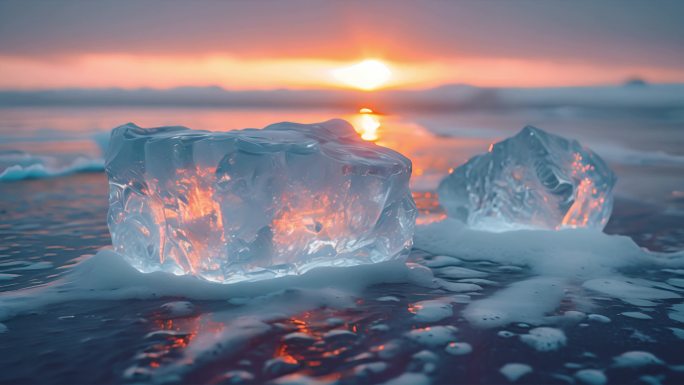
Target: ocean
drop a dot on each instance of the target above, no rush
(53, 207)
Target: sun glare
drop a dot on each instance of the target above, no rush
(366, 124)
(366, 75)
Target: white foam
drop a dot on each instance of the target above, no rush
(591, 377)
(456, 272)
(598, 318)
(433, 336)
(636, 359)
(178, 308)
(458, 287)
(432, 310)
(679, 333)
(544, 339)
(388, 298)
(524, 301)
(677, 312)
(569, 252)
(458, 348)
(107, 276)
(617, 287)
(442, 261)
(636, 315)
(42, 265)
(562, 260)
(7, 277)
(513, 371)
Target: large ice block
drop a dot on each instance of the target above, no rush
(531, 180)
(256, 203)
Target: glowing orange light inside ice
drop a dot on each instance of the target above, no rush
(587, 199)
(366, 75)
(196, 219)
(308, 220)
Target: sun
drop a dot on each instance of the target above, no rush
(366, 75)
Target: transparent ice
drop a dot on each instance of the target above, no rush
(256, 203)
(531, 180)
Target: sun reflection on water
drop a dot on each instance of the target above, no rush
(367, 123)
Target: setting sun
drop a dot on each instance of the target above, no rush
(366, 75)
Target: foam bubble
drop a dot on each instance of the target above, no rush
(433, 336)
(591, 377)
(544, 339)
(458, 348)
(431, 310)
(513, 371)
(636, 359)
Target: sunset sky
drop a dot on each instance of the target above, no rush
(305, 44)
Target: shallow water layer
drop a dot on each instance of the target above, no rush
(457, 317)
(414, 331)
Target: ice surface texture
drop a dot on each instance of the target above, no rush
(256, 203)
(531, 180)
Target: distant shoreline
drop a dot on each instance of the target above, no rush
(453, 98)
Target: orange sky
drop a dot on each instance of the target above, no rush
(303, 44)
(128, 71)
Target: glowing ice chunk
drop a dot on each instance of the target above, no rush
(254, 204)
(531, 180)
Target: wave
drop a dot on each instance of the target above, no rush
(632, 157)
(19, 165)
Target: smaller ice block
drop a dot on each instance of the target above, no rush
(531, 180)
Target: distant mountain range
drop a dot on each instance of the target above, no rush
(451, 97)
